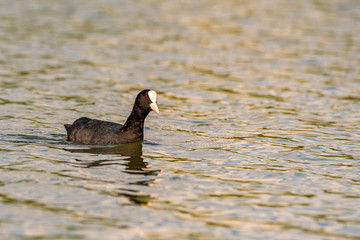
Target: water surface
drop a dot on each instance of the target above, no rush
(258, 133)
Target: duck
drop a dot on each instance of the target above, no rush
(98, 132)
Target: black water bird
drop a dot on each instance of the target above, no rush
(97, 132)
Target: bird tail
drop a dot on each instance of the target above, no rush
(67, 127)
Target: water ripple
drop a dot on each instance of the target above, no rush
(257, 137)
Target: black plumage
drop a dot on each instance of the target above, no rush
(97, 132)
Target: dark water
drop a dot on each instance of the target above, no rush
(257, 138)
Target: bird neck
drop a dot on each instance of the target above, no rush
(136, 119)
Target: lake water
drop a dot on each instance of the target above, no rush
(257, 137)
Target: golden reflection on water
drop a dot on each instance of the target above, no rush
(258, 135)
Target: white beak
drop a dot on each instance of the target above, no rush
(154, 107)
(153, 97)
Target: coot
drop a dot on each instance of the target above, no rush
(97, 132)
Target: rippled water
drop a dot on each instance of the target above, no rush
(257, 138)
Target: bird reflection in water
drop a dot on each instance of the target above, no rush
(133, 162)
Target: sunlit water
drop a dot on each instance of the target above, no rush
(257, 138)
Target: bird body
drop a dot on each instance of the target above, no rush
(97, 132)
